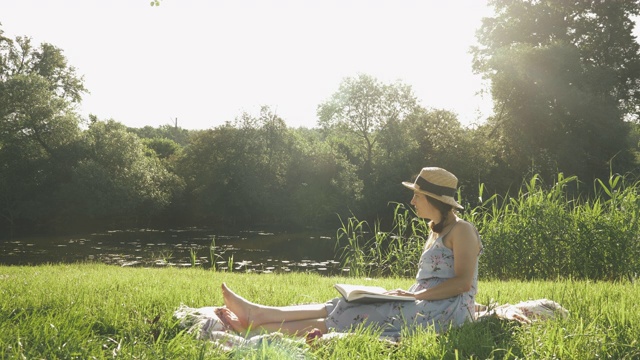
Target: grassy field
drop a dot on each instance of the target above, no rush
(92, 311)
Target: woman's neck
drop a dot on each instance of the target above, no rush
(448, 222)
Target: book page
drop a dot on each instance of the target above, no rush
(364, 293)
(360, 289)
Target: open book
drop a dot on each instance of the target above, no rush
(368, 294)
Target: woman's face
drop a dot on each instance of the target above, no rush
(424, 209)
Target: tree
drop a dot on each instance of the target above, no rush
(429, 138)
(360, 110)
(163, 148)
(38, 129)
(115, 183)
(236, 173)
(171, 132)
(322, 184)
(564, 77)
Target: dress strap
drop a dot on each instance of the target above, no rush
(448, 231)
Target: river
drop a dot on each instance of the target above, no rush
(246, 251)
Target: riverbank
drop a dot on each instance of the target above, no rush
(98, 311)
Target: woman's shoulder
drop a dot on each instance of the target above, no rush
(464, 231)
(463, 226)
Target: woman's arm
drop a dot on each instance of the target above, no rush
(465, 246)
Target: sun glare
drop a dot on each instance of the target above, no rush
(206, 62)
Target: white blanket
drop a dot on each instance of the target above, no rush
(524, 312)
(205, 324)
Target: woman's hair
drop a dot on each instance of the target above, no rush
(444, 211)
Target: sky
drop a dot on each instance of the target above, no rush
(205, 62)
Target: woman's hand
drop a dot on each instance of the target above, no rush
(400, 292)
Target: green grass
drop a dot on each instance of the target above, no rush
(92, 311)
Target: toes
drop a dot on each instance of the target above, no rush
(226, 317)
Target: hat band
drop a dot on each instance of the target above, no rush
(433, 188)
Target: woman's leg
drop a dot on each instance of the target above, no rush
(295, 327)
(298, 327)
(253, 315)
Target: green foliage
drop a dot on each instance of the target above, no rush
(163, 148)
(174, 133)
(38, 130)
(433, 137)
(320, 182)
(364, 106)
(373, 252)
(564, 78)
(241, 173)
(19, 57)
(359, 114)
(539, 234)
(237, 172)
(544, 234)
(116, 182)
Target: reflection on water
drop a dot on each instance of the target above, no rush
(247, 251)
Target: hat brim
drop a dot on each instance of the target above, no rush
(445, 199)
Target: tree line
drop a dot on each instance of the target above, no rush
(564, 78)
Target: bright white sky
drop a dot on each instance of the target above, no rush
(204, 62)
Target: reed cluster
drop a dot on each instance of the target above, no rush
(544, 232)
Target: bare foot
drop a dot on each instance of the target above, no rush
(231, 320)
(239, 306)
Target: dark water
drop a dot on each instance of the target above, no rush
(246, 251)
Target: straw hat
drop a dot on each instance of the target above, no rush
(437, 183)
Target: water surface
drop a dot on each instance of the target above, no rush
(247, 251)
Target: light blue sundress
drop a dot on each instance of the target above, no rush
(435, 266)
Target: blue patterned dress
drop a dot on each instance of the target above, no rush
(436, 266)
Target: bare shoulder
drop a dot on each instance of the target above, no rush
(464, 233)
(464, 227)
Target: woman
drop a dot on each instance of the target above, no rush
(445, 286)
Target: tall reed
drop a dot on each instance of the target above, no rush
(373, 252)
(541, 233)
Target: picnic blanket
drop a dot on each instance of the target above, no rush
(524, 312)
(205, 324)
